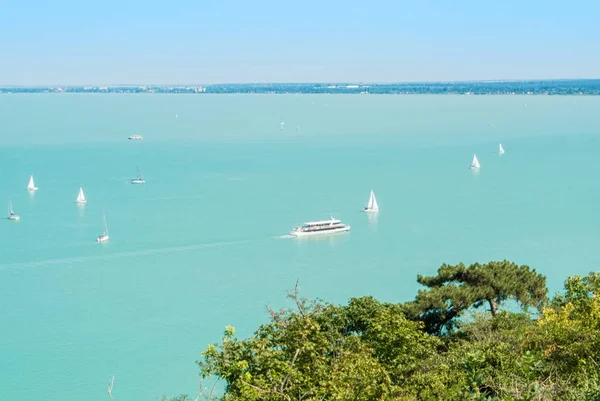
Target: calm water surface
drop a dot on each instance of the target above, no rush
(202, 244)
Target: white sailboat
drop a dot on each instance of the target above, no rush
(81, 197)
(500, 149)
(372, 205)
(139, 179)
(11, 213)
(104, 237)
(475, 163)
(31, 186)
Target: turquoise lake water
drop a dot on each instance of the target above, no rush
(202, 244)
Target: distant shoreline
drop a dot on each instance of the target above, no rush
(527, 87)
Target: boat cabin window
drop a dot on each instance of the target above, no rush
(322, 225)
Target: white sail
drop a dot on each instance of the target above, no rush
(11, 213)
(475, 163)
(81, 196)
(500, 149)
(372, 204)
(139, 179)
(104, 237)
(31, 186)
(105, 225)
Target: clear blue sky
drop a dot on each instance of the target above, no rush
(215, 41)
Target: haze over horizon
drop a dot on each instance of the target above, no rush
(136, 43)
(358, 82)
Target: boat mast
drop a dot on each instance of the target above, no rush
(105, 225)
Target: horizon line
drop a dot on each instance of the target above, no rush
(485, 81)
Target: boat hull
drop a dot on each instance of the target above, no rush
(365, 210)
(32, 189)
(319, 232)
(102, 238)
(14, 217)
(81, 202)
(138, 181)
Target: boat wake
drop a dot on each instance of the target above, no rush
(171, 198)
(119, 255)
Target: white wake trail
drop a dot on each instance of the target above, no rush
(119, 255)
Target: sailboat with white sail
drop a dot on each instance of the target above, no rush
(500, 149)
(81, 197)
(11, 213)
(475, 163)
(372, 204)
(31, 186)
(104, 237)
(139, 179)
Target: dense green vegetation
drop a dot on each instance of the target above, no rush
(482, 332)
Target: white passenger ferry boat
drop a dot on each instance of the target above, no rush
(319, 228)
(136, 137)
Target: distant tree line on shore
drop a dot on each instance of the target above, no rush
(527, 87)
(462, 338)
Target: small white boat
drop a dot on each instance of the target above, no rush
(104, 237)
(320, 228)
(11, 213)
(500, 149)
(372, 205)
(282, 126)
(139, 179)
(81, 197)
(31, 186)
(475, 163)
(136, 137)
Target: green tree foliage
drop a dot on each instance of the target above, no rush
(369, 350)
(363, 351)
(568, 334)
(456, 289)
